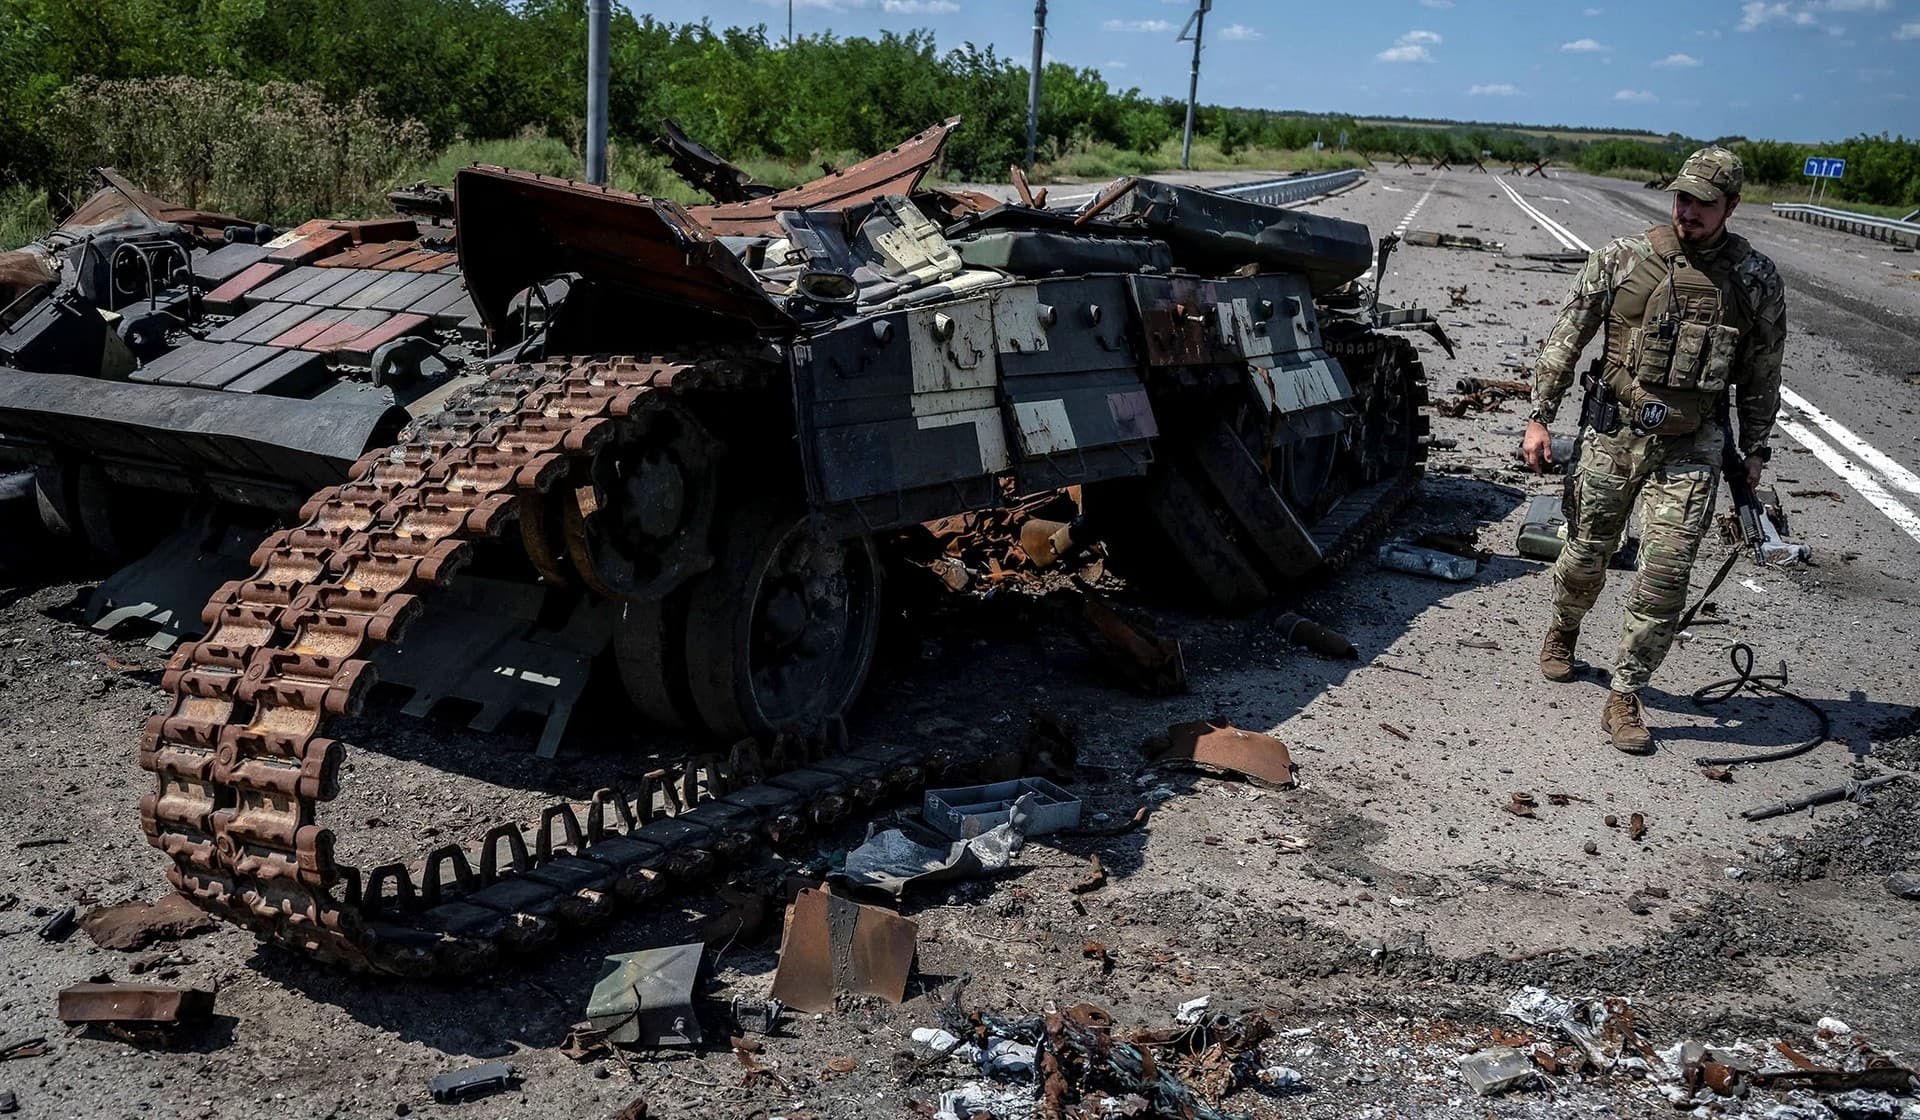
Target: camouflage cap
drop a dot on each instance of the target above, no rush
(1710, 173)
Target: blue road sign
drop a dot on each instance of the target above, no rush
(1819, 167)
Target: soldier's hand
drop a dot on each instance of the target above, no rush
(1536, 447)
(1755, 464)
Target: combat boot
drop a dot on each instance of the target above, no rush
(1556, 655)
(1624, 721)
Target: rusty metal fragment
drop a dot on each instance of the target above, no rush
(894, 171)
(133, 1003)
(1145, 660)
(1323, 640)
(705, 169)
(135, 925)
(833, 945)
(1216, 744)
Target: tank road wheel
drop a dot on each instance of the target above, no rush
(648, 644)
(781, 633)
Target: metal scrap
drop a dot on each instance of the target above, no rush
(133, 1004)
(646, 998)
(890, 861)
(833, 945)
(1143, 659)
(895, 171)
(1320, 639)
(1603, 1028)
(60, 925)
(477, 1081)
(1096, 877)
(135, 925)
(1216, 745)
(1852, 791)
(1432, 240)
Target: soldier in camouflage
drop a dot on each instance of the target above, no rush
(1690, 312)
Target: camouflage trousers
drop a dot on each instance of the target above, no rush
(1678, 477)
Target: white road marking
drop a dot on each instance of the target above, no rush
(1857, 477)
(1558, 232)
(1372, 277)
(1881, 463)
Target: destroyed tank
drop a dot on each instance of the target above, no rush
(685, 436)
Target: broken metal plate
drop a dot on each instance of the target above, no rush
(133, 1003)
(833, 945)
(646, 998)
(1218, 745)
(895, 171)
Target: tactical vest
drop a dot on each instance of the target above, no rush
(1672, 335)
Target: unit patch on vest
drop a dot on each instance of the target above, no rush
(1652, 414)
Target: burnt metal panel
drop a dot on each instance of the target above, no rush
(1216, 234)
(894, 171)
(517, 229)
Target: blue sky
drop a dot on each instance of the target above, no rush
(1784, 69)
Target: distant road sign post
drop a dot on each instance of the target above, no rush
(1819, 169)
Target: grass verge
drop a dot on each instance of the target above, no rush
(24, 215)
(1105, 161)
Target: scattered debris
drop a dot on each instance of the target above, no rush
(23, 1048)
(646, 998)
(890, 861)
(1510, 387)
(133, 1004)
(1141, 658)
(1636, 825)
(1095, 879)
(1455, 544)
(1400, 557)
(135, 925)
(1320, 639)
(1852, 791)
(1192, 1010)
(1604, 1029)
(757, 1016)
(476, 1081)
(1430, 239)
(1495, 1070)
(1904, 884)
(1395, 732)
(61, 925)
(967, 811)
(841, 1064)
(1097, 953)
(832, 945)
(635, 1109)
(1215, 745)
(1521, 804)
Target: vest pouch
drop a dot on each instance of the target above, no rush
(1661, 411)
(1690, 345)
(1722, 348)
(1650, 352)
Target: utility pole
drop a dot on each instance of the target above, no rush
(1197, 22)
(597, 16)
(1033, 79)
(789, 24)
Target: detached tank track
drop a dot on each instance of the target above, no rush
(241, 765)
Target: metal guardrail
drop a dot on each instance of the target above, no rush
(1279, 192)
(1866, 225)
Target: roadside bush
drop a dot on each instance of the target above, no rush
(278, 151)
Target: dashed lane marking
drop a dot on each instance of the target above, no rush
(1400, 230)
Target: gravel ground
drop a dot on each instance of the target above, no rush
(1381, 951)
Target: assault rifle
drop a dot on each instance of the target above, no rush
(1757, 530)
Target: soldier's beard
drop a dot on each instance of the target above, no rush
(1700, 235)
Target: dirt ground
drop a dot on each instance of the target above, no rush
(1380, 916)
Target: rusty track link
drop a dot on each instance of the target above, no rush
(241, 765)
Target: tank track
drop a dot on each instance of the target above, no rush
(1364, 515)
(241, 766)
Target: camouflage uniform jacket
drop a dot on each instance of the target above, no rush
(1756, 371)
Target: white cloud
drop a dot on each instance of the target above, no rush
(1240, 31)
(1150, 25)
(1593, 11)
(1583, 46)
(1493, 89)
(1854, 5)
(1411, 47)
(1637, 96)
(1113, 64)
(1443, 5)
(919, 7)
(1908, 31)
(1678, 62)
(1404, 54)
(1756, 14)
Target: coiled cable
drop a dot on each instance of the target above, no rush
(1770, 684)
